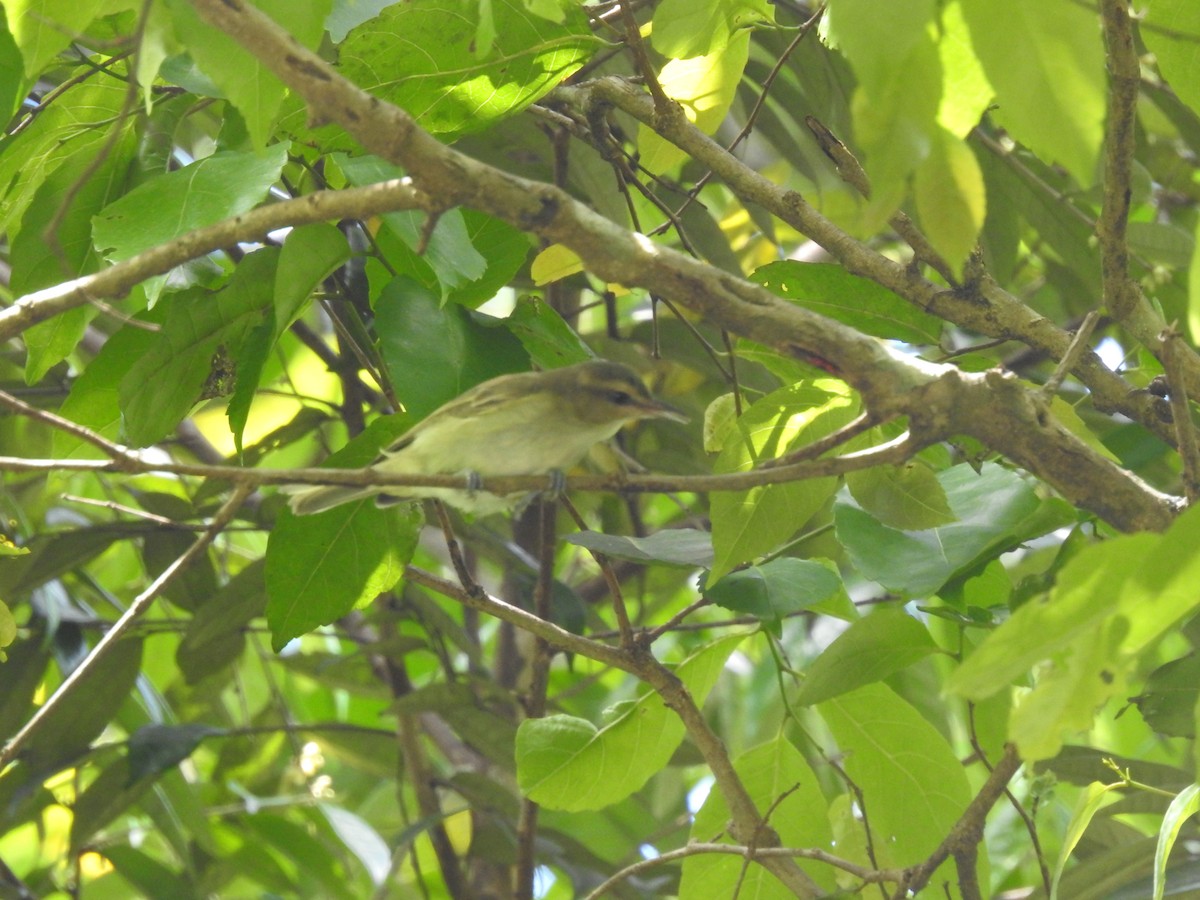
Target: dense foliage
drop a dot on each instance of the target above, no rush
(907, 607)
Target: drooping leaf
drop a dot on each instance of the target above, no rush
(894, 756)
(76, 721)
(241, 77)
(951, 198)
(1062, 65)
(567, 763)
(320, 567)
(748, 523)
(674, 546)
(705, 87)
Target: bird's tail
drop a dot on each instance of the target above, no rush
(308, 500)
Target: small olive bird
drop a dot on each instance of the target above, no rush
(533, 423)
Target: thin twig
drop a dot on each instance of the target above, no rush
(624, 628)
(697, 848)
(1078, 343)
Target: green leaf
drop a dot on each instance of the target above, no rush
(673, 546)
(830, 290)
(448, 253)
(567, 763)
(1090, 802)
(778, 780)
(170, 205)
(434, 353)
(1062, 66)
(1171, 29)
(775, 589)
(109, 795)
(85, 712)
(895, 105)
(966, 92)
(907, 497)
(38, 263)
(914, 783)
(991, 507)
(149, 876)
(23, 672)
(685, 28)
(216, 634)
(350, 553)
(705, 86)
(64, 130)
(421, 56)
(93, 401)
(504, 250)
(309, 255)
(247, 83)
(8, 629)
(1168, 700)
(749, 523)
(870, 650)
(545, 335)
(1182, 808)
(1109, 603)
(14, 85)
(154, 749)
(1194, 289)
(42, 29)
(198, 335)
(951, 198)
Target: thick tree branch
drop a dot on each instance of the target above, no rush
(983, 307)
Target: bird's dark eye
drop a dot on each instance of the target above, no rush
(620, 398)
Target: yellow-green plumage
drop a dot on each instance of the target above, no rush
(527, 424)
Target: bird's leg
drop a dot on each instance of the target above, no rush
(554, 491)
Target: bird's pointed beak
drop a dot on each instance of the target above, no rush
(656, 409)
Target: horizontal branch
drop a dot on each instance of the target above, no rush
(118, 279)
(893, 453)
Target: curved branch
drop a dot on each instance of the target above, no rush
(982, 306)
